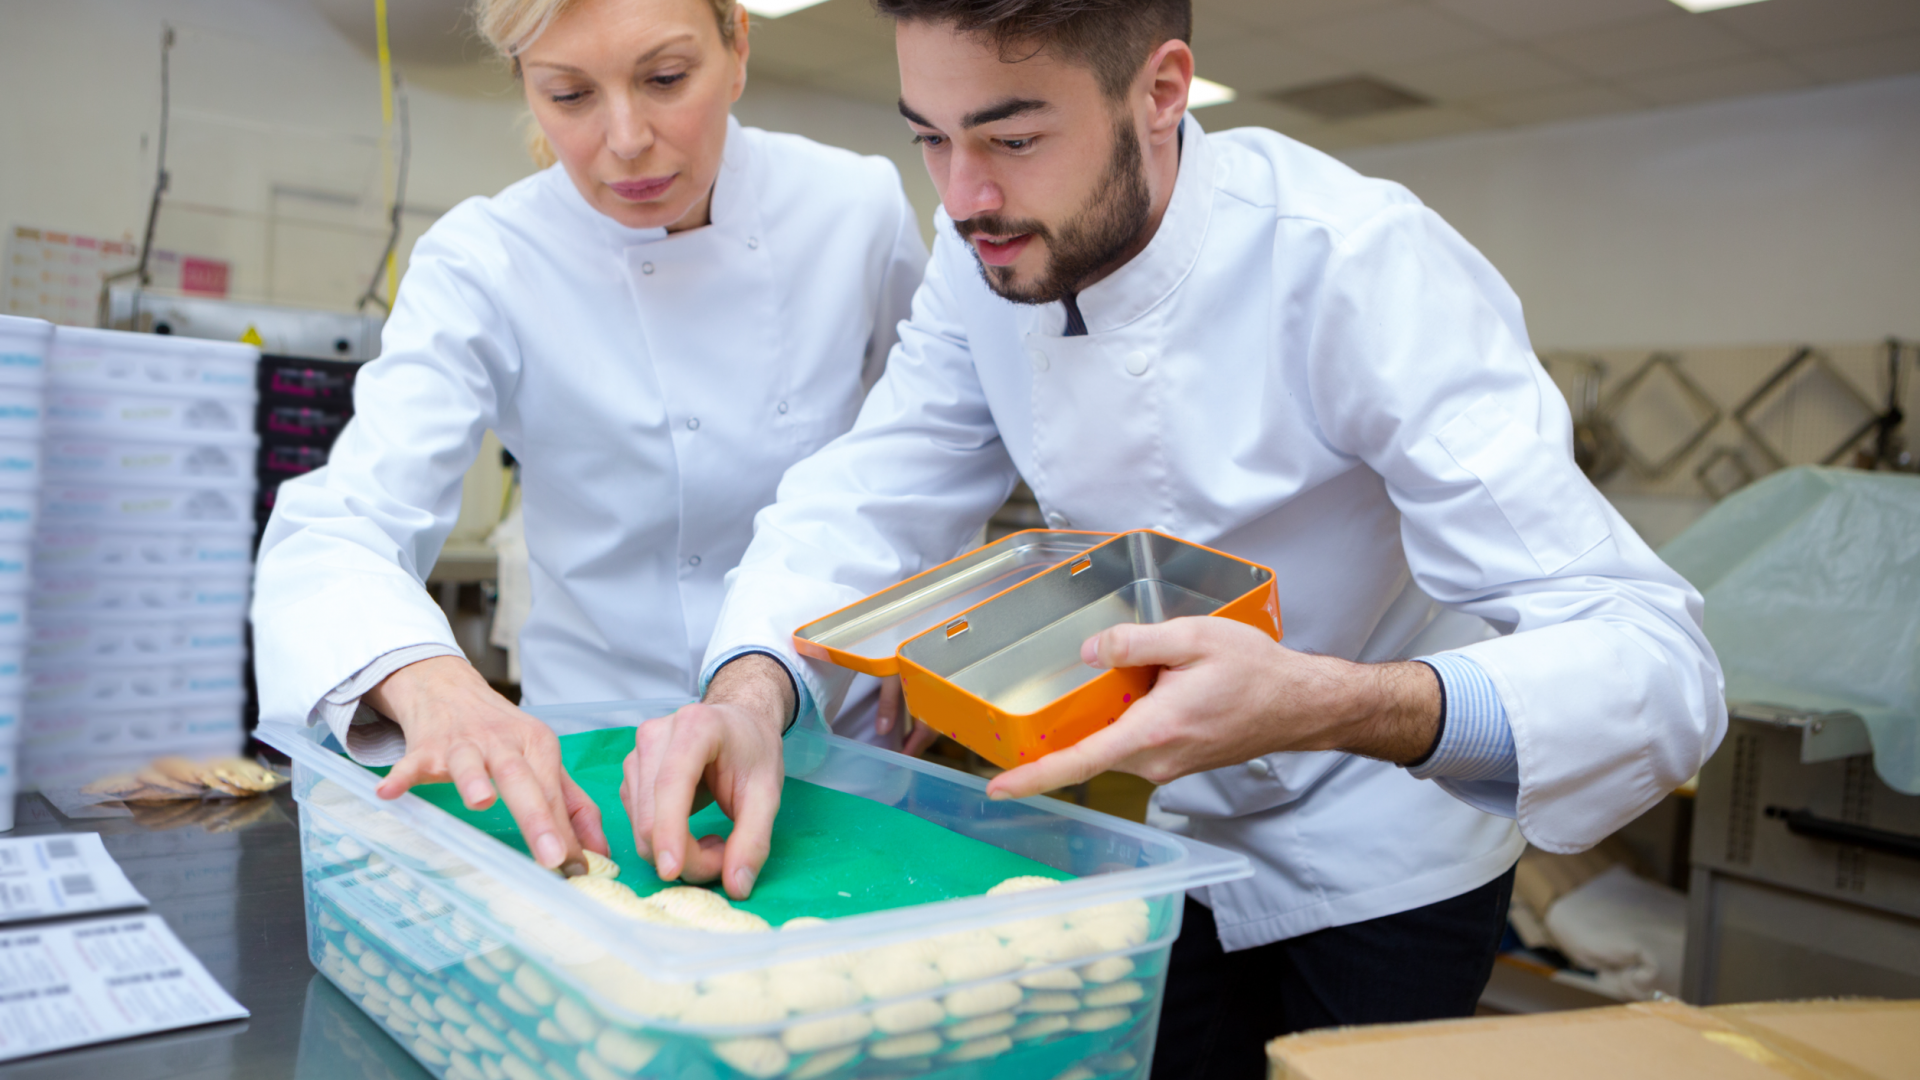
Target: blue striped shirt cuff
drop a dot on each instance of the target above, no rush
(1476, 741)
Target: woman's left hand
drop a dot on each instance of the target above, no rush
(892, 709)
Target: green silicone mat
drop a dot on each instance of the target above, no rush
(833, 854)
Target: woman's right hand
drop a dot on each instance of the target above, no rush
(460, 730)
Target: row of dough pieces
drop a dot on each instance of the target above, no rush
(457, 1030)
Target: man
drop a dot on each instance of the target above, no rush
(1239, 341)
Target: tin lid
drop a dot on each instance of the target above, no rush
(865, 636)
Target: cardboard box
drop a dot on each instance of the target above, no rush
(1812, 1040)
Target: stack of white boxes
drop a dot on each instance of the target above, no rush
(23, 369)
(142, 555)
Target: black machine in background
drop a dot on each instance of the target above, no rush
(304, 404)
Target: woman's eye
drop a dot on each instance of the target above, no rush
(569, 99)
(668, 80)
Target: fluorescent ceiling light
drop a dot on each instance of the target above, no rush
(773, 9)
(1205, 92)
(1711, 5)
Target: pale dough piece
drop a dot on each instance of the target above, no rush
(490, 1068)
(354, 946)
(1112, 969)
(735, 982)
(462, 1067)
(455, 1038)
(575, 1020)
(517, 1069)
(973, 1001)
(631, 990)
(490, 1016)
(882, 980)
(825, 1062)
(523, 1044)
(905, 1046)
(961, 965)
(551, 1032)
(686, 901)
(422, 1007)
(1052, 979)
(801, 922)
(1124, 910)
(371, 963)
(733, 1009)
(502, 960)
(1120, 993)
(1113, 1062)
(1101, 1019)
(625, 1053)
(811, 1035)
(1040, 1027)
(479, 1036)
(481, 970)
(980, 1026)
(965, 939)
(1024, 883)
(592, 1068)
(535, 986)
(905, 1017)
(427, 1052)
(1112, 935)
(452, 1010)
(760, 1058)
(978, 1048)
(600, 866)
(1077, 1072)
(923, 951)
(811, 988)
(517, 1001)
(1050, 1002)
(1039, 925)
(733, 921)
(1057, 946)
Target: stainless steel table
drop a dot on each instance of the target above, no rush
(234, 899)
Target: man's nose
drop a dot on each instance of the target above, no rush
(971, 188)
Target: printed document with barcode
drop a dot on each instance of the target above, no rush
(61, 874)
(94, 980)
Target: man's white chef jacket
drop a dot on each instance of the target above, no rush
(653, 387)
(1310, 370)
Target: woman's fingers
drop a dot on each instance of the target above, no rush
(923, 736)
(888, 708)
(532, 811)
(467, 768)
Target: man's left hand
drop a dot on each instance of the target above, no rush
(1228, 693)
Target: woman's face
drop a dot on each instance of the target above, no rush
(633, 95)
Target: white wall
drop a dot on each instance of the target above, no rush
(1789, 217)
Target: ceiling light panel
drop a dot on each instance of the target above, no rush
(1697, 6)
(1205, 92)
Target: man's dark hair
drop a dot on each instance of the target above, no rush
(1113, 37)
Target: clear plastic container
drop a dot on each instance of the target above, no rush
(20, 464)
(482, 964)
(12, 719)
(181, 729)
(87, 546)
(23, 411)
(77, 458)
(19, 513)
(23, 350)
(118, 360)
(13, 617)
(124, 414)
(171, 685)
(141, 508)
(61, 590)
(62, 639)
(16, 569)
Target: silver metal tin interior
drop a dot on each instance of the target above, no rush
(875, 627)
(1021, 650)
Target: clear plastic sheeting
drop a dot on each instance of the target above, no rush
(1812, 582)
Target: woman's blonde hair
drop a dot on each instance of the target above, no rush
(510, 26)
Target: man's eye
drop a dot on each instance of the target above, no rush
(1016, 144)
(933, 141)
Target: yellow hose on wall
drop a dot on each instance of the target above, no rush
(386, 119)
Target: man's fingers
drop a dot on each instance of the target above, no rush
(1167, 644)
(637, 792)
(1078, 763)
(528, 804)
(584, 815)
(468, 770)
(704, 860)
(752, 834)
(923, 737)
(680, 767)
(888, 708)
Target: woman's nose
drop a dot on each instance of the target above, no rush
(628, 132)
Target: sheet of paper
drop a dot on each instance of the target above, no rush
(61, 874)
(94, 980)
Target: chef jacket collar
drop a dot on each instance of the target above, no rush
(1152, 275)
(733, 200)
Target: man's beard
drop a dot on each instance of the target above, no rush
(1092, 241)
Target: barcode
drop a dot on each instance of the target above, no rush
(76, 884)
(61, 849)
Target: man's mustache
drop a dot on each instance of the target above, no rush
(993, 226)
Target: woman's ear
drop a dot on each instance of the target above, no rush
(740, 49)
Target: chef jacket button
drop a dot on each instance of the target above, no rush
(1259, 767)
(693, 423)
(1058, 520)
(753, 243)
(1137, 363)
(782, 407)
(646, 268)
(693, 560)
(1039, 360)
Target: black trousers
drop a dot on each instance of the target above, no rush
(1222, 1008)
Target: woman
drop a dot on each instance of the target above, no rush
(656, 326)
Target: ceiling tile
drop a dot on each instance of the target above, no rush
(1761, 76)
(1540, 107)
(1255, 63)
(1866, 60)
(1646, 46)
(1520, 19)
(1806, 24)
(1256, 113)
(1502, 69)
(1285, 14)
(1422, 124)
(1393, 34)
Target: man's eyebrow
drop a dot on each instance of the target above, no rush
(1005, 110)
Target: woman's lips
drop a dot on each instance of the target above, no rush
(642, 190)
(1001, 252)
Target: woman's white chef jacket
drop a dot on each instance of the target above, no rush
(653, 387)
(1311, 370)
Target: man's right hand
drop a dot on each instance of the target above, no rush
(459, 729)
(731, 741)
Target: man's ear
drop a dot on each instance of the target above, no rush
(1165, 79)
